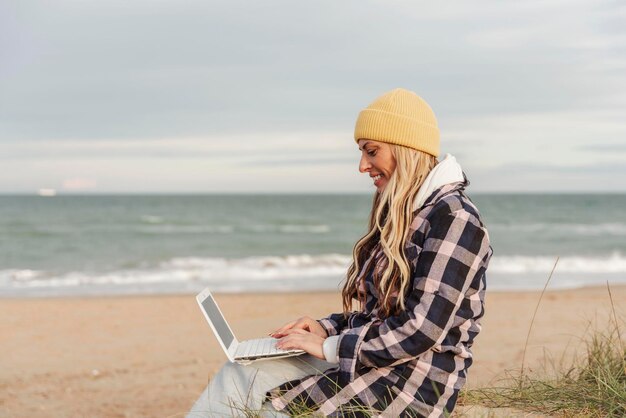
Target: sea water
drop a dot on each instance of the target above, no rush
(95, 245)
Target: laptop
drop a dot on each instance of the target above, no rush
(243, 352)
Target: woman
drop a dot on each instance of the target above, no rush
(418, 275)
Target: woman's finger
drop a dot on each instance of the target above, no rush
(297, 324)
(295, 331)
(288, 325)
(290, 331)
(284, 343)
(291, 342)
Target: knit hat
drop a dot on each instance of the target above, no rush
(400, 117)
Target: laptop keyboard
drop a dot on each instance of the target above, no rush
(259, 347)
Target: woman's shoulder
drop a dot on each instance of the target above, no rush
(453, 204)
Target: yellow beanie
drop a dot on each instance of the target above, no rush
(400, 117)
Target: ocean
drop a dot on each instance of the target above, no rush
(111, 245)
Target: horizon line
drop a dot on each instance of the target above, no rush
(278, 193)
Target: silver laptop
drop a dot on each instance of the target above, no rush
(243, 352)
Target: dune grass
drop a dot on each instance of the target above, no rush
(591, 385)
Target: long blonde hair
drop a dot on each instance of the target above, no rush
(389, 222)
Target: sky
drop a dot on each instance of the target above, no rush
(242, 96)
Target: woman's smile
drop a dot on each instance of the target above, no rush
(377, 179)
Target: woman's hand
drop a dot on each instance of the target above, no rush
(300, 339)
(305, 323)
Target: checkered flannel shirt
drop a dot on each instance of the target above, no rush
(413, 363)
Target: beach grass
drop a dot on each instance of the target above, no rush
(591, 385)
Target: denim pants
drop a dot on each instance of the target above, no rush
(237, 386)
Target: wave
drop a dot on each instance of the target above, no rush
(289, 228)
(151, 219)
(297, 273)
(159, 227)
(613, 263)
(192, 269)
(603, 229)
(155, 225)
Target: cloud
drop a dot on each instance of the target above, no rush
(205, 68)
(605, 148)
(235, 83)
(224, 147)
(78, 184)
(556, 178)
(557, 169)
(316, 160)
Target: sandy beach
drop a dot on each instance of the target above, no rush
(152, 355)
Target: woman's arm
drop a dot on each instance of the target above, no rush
(455, 252)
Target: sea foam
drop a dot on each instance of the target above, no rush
(293, 273)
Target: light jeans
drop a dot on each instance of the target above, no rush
(235, 386)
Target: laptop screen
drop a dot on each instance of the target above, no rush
(210, 307)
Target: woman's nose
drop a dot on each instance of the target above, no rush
(364, 165)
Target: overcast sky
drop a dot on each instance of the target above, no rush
(249, 96)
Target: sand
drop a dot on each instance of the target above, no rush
(151, 356)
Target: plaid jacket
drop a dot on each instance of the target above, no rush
(413, 363)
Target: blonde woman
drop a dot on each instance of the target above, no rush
(412, 299)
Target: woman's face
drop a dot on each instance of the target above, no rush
(378, 161)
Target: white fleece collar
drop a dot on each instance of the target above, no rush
(446, 172)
